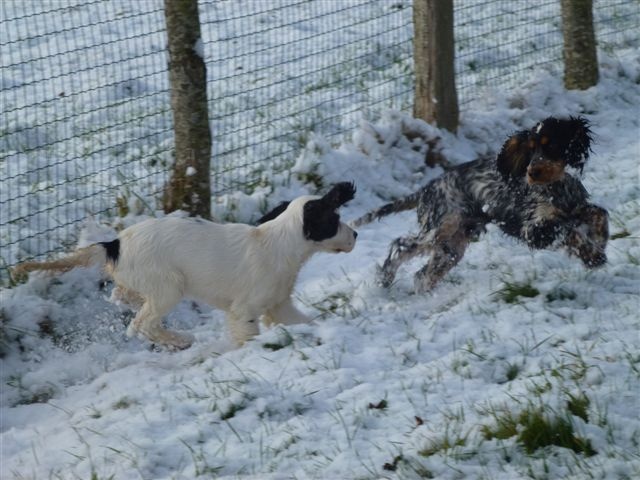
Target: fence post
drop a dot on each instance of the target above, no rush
(189, 186)
(436, 99)
(579, 51)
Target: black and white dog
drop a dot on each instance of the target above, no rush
(525, 191)
(247, 271)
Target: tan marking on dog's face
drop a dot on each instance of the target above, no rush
(512, 144)
(542, 173)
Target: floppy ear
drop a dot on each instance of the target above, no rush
(578, 134)
(339, 194)
(513, 159)
(273, 213)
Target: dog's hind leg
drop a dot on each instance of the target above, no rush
(449, 244)
(401, 250)
(148, 321)
(124, 296)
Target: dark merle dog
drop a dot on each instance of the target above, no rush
(525, 191)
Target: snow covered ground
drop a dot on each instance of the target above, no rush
(384, 383)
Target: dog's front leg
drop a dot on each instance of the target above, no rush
(401, 250)
(285, 313)
(588, 238)
(242, 326)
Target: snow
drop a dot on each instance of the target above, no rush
(198, 47)
(380, 377)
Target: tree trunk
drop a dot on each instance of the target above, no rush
(189, 187)
(579, 52)
(436, 99)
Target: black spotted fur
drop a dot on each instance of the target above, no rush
(455, 208)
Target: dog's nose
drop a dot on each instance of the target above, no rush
(534, 172)
(355, 234)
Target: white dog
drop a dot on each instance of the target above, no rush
(249, 272)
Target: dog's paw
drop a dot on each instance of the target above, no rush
(590, 251)
(180, 341)
(593, 258)
(173, 340)
(162, 336)
(422, 285)
(132, 330)
(384, 278)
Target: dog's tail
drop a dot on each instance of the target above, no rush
(405, 203)
(96, 254)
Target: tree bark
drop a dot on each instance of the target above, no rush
(189, 186)
(579, 51)
(436, 99)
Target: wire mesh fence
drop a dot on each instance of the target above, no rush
(86, 129)
(281, 70)
(501, 44)
(86, 119)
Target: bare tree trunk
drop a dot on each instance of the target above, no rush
(189, 187)
(579, 52)
(436, 99)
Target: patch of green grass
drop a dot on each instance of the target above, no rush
(633, 259)
(200, 464)
(408, 467)
(381, 405)
(560, 293)
(573, 367)
(540, 430)
(338, 303)
(4, 336)
(622, 234)
(273, 346)
(506, 427)
(95, 476)
(578, 405)
(29, 396)
(444, 444)
(312, 178)
(94, 412)
(535, 429)
(513, 369)
(511, 292)
(123, 403)
(232, 410)
(284, 340)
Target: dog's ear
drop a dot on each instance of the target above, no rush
(273, 213)
(577, 132)
(339, 194)
(513, 158)
(569, 137)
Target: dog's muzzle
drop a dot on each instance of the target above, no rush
(345, 240)
(544, 172)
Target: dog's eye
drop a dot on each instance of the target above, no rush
(544, 140)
